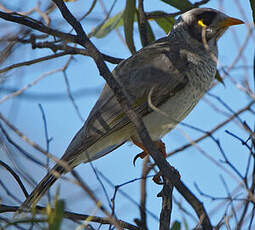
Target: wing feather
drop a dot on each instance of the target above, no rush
(161, 68)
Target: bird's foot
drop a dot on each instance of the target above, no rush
(157, 177)
(140, 155)
(160, 144)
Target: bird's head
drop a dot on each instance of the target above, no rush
(205, 22)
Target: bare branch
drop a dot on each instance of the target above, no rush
(36, 25)
(222, 124)
(74, 216)
(97, 202)
(34, 61)
(16, 177)
(20, 91)
(166, 210)
(34, 145)
(142, 23)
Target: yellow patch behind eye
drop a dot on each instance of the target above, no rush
(200, 22)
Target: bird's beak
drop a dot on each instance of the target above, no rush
(230, 22)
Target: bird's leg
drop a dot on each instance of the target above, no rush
(157, 178)
(141, 155)
(162, 147)
(144, 153)
(160, 144)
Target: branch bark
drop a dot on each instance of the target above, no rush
(74, 216)
(166, 210)
(142, 23)
(36, 25)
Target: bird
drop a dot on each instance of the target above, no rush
(165, 80)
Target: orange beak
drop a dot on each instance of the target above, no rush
(230, 22)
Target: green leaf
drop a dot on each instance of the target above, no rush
(56, 216)
(252, 3)
(165, 23)
(129, 17)
(185, 223)
(219, 78)
(176, 225)
(150, 34)
(180, 4)
(110, 24)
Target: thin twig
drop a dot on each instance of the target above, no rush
(85, 187)
(67, 50)
(143, 195)
(220, 125)
(20, 91)
(73, 50)
(126, 195)
(73, 216)
(47, 140)
(70, 95)
(9, 193)
(35, 145)
(24, 152)
(34, 61)
(7, 167)
(36, 25)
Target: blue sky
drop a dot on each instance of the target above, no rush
(63, 122)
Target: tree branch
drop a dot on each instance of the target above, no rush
(36, 25)
(16, 177)
(142, 23)
(74, 216)
(166, 210)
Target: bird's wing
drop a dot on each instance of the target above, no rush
(159, 67)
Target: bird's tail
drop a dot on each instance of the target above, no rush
(42, 187)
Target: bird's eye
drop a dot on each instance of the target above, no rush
(206, 18)
(201, 23)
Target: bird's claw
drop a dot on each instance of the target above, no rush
(157, 177)
(139, 155)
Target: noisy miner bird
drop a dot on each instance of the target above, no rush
(165, 80)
